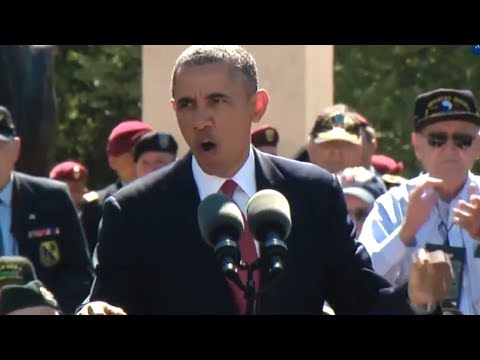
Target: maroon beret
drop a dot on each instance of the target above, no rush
(69, 170)
(125, 135)
(386, 165)
(265, 135)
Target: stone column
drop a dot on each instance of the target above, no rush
(299, 79)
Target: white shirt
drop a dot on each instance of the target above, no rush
(392, 258)
(10, 246)
(245, 178)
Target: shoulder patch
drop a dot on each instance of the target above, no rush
(91, 196)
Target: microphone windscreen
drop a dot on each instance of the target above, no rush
(219, 215)
(269, 210)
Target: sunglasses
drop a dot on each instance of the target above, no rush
(360, 214)
(461, 141)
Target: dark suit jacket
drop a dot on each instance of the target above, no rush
(92, 214)
(61, 260)
(152, 259)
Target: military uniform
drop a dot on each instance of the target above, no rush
(121, 140)
(40, 223)
(92, 211)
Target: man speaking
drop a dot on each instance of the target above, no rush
(152, 259)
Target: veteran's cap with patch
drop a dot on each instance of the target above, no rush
(339, 126)
(32, 294)
(443, 105)
(16, 270)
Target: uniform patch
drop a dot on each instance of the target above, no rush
(49, 253)
(91, 196)
(270, 135)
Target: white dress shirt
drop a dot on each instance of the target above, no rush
(392, 258)
(245, 178)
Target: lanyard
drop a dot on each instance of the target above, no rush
(443, 228)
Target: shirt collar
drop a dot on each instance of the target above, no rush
(463, 194)
(210, 184)
(6, 192)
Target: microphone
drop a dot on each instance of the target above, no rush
(268, 214)
(221, 226)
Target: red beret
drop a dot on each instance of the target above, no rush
(69, 170)
(125, 135)
(265, 135)
(386, 165)
(362, 120)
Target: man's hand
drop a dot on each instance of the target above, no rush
(100, 308)
(430, 278)
(467, 215)
(421, 201)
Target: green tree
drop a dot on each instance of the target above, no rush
(382, 82)
(97, 86)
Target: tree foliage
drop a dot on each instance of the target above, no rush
(382, 82)
(97, 86)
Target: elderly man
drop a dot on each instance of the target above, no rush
(38, 221)
(341, 138)
(439, 209)
(361, 187)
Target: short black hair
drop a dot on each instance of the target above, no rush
(240, 60)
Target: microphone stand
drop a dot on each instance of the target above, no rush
(249, 289)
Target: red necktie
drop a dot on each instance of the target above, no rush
(247, 250)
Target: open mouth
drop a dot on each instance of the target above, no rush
(208, 146)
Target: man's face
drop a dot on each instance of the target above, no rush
(358, 211)
(9, 152)
(444, 151)
(152, 160)
(214, 113)
(77, 189)
(335, 155)
(124, 166)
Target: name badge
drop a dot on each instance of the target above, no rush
(457, 258)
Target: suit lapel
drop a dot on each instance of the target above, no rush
(267, 175)
(185, 184)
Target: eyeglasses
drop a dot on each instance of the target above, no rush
(359, 214)
(461, 141)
